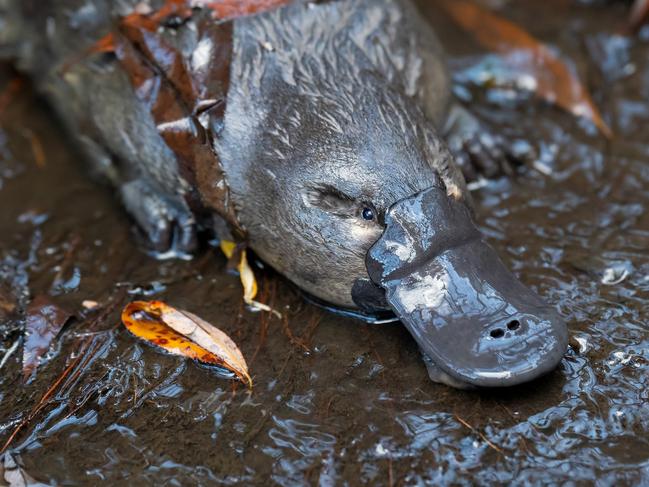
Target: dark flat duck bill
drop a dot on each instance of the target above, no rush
(470, 316)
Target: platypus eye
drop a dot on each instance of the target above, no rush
(335, 201)
(368, 214)
(332, 200)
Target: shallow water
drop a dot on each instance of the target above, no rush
(337, 401)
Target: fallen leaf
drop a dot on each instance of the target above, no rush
(230, 9)
(639, 15)
(43, 322)
(248, 280)
(183, 333)
(144, 17)
(228, 247)
(247, 276)
(554, 80)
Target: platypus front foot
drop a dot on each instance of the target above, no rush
(167, 223)
(480, 153)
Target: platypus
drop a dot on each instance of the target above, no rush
(315, 132)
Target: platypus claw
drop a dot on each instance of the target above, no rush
(481, 153)
(168, 225)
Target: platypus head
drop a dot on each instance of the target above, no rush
(345, 187)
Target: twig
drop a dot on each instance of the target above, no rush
(516, 420)
(289, 355)
(264, 318)
(481, 435)
(83, 401)
(64, 375)
(292, 338)
(329, 403)
(314, 322)
(41, 403)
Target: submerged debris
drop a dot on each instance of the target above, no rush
(614, 275)
(43, 323)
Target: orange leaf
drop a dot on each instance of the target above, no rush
(555, 81)
(105, 44)
(183, 333)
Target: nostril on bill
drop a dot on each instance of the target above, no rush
(513, 325)
(497, 333)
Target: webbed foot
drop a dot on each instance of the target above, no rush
(480, 153)
(168, 223)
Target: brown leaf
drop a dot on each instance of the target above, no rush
(43, 323)
(230, 9)
(555, 81)
(183, 333)
(185, 99)
(639, 15)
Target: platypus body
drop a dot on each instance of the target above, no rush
(313, 131)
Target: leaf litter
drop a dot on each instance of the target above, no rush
(250, 288)
(183, 333)
(551, 78)
(44, 320)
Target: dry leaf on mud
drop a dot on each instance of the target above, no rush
(247, 276)
(555, 81)
(639, 15)
(143, 17)
(183, 333)
(43, 323)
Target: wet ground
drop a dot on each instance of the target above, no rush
(336, 401)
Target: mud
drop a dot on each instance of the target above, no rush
(336, 401)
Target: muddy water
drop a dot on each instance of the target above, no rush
(336, 401)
